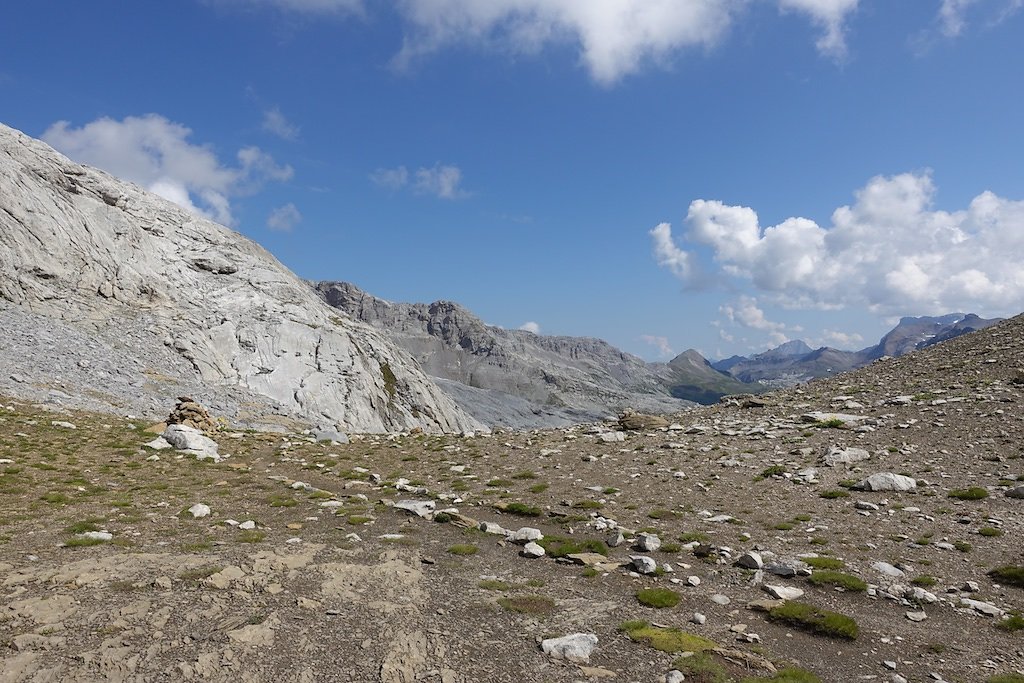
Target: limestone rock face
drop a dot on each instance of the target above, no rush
(93, 253)
(511, 378)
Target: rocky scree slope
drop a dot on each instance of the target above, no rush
(181, 300)
(510, 378)
(722, 547)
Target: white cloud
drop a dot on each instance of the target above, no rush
(319, 7)
(154, 152)
(659, 343)
(615, 38)
(829, 15)
(391, 178)
(284, 218)
(441, 181)
(275, 122)
(890, 251)
(951, 16)
(530, 326)
(669, 255)
(850, 341)
(746, 313)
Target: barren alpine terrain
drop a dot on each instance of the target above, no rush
(865, 527)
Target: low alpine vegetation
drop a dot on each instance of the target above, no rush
(659, 598)
(815, 620)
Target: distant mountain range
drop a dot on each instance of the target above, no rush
(795, 362)
(513, 378)
(520, 379)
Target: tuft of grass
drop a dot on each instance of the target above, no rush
(924, 581)
(494, 585)
(773, 471)
(356, 520)
(834, 493)
(588, 505)
(703, 667)
(824, 563)
(661, 513)
(561, 546)
(833, 578)
(1005, 678)
(55, 498)
(82, 542)
(666, 639)
(658, 598)
(815, 620)
(691, 536)
(831, 423)
(972, 493)
(784, 526)
(463, 549)
(251, 536)
(538, 488)
(789, 674)
(521, 509)
(1012, 623)
(990, 532)
(1011, 575)
(282, 502)
(963, 546)
(528, 604)
(83, 526)
(525, 474)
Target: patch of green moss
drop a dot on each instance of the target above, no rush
(815, 620)
(666, 639)
(659, 598)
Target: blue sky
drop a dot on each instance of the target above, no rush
(663, 174)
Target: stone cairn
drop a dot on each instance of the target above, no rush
(191, 414)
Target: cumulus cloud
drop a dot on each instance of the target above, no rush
(530, 326)
(660, 343)
(615, 38)
(156, 153)
(442, 181)
(890, 251)
(668, 255)
(745, 312)
(275, 122)
(284, 218)
(829, 15)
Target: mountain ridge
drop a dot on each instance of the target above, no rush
(186, 300)
(562, 379)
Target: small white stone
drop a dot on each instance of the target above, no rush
(200, 510)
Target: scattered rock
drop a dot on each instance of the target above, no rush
(844, 456)
(887, 481)
(576, 647)
(199, 510)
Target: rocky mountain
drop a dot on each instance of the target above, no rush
(690, 376)
(114, 297)
(795, 362)
(505, 377)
